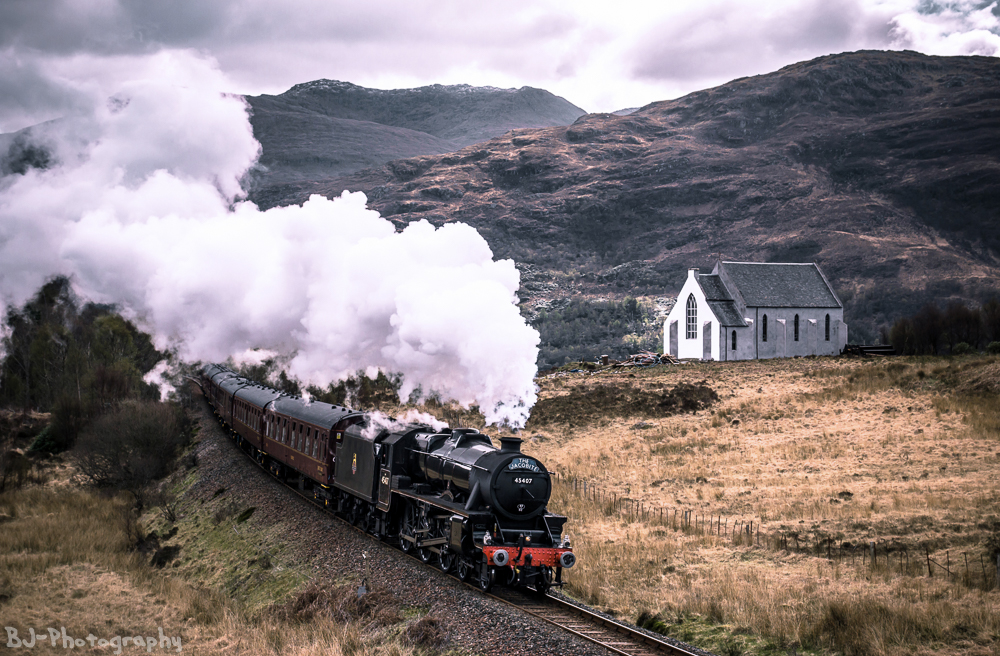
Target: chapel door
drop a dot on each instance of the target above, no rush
(673, 339)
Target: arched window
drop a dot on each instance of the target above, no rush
(734, 340)
(692, 317)
(796, 327)
(764, 329)
(828, 327)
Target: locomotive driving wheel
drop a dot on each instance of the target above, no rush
(426, 530)
(487, 577)
(407, 527)
(464, 569)
(446, 560)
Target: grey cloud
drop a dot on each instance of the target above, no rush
(28, 96)
(711, 44)
(411, 36)
(64, 27)
(180, 23)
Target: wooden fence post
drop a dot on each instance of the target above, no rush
(930, 573)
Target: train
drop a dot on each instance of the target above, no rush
(448, 496)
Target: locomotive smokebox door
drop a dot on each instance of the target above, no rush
(457, 531)
(384, 489)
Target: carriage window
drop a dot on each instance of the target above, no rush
(315, 447)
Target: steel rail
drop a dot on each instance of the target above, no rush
(567, 615)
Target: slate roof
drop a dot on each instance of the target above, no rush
(720, 300)
(781, 285)
(713, 287)
(727, 313)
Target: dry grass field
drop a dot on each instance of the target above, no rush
(823, 455)
(68, 559)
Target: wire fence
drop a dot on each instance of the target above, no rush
(977, 569)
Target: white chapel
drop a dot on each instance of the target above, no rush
(753, 310)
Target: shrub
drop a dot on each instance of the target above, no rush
(426, 632)
(582, 329)
(340, 603)
(132, 446)
(69, 415)
(15, 469)
(993, 348)
(962, 348)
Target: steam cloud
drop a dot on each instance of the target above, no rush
(137, 200)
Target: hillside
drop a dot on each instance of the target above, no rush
(327, 127)
(881, 166)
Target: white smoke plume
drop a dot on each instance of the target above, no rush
(140, 207)
(956, 27)
(379, 421)
(163, 376)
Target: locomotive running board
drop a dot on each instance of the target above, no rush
(432, 542)
(450, 506)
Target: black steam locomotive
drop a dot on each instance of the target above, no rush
(445, 495)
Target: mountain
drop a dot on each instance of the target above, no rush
(326, 128)
(883, 167)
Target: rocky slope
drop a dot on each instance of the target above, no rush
(326, 127)
(883, 167)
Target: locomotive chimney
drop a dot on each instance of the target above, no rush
(510, 444)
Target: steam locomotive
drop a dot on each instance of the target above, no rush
(448, 496)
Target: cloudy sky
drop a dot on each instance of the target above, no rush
(601, 56)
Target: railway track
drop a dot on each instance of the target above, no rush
(616, 637)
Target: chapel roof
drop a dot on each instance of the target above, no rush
(778, 284)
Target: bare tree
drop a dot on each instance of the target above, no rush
(132, 446)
